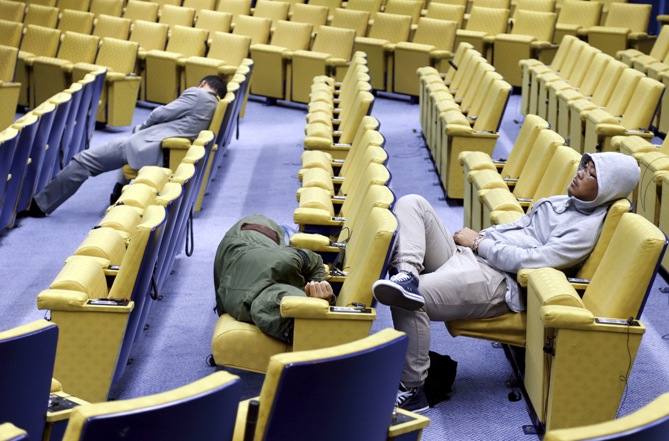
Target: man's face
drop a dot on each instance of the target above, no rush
(584, 185)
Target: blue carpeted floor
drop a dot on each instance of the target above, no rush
(258, 175)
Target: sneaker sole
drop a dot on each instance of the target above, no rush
(419, 410)
(390, 294)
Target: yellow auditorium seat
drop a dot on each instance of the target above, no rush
(626, 26)
(316, 16)
(629, 247)
(39, 15)
(75, 5)
(272, 9)
(141, 10)
(112, 8)
(163, 68)
(161, 4)
(351, 19)
(444, 11)
(330, 54)
(649, 421)
(172, 15)
(379, 45)
(431, 45)
(482, 173)
(600, 95)
(330, 4)
(235, 7)
(199, 5)
(273, 62)
(107, 26)
(639, 60)
(482, 27)
(179, 413)
(9, 90)
(76, 21)
(573, 70)
(576, 17)
(243, 346)
(50, 3)
(119, 95)
(257, 28)
(531, 68)
(458, 135)
(51, 75)
(10, 33)
(532, 33)
(601, 126)
(555, 180)
(226, 53)
(9, 432)
(371, 6)
(12, 10)
(547, 142)
(619, 95)
(37, 41)
(71, 300)
(213, 21)
(379, 358)
(411, 8)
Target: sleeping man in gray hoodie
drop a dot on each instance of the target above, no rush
(472, 274)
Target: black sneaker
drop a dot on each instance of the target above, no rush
(401, 291)
(412, 399)
(33, 211)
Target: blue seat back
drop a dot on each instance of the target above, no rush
(18, 170)
(7, 150)
(52, 155)
(311, 394)
(37, 153)
(28, 354)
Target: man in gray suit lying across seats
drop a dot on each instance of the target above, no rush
(184, 117)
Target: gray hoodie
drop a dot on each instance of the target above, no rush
(560, 231)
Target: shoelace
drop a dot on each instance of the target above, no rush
(404, 396)
(401, 277)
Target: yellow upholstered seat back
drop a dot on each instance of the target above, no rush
(489, 20)
(229, 47)
(118, 55)
(141, 10)
(337, 42)
(391, 27)
(351, 19)
(315, 15)
(78, 48)
(113, 27)
(411, 8)
(291, 35)
(258, 28)
(634, 17)
(187, 41)
(213, 21)
(40, 41)
(113, 8)
(39, 15)
(642, 105)
(537, 24)
(12, 11)
(8, 57)
(150, 36)
(10, 32)
(542, 152)
(631, 256)
(437, 33)
(177, 16)
(443, 11)
(76, 21)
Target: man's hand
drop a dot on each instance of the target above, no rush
(465, 237)
(319, 290)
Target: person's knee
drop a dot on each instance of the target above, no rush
(410, 202)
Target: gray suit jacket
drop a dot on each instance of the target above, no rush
(184, 117)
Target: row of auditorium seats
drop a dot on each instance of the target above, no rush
(539, 166)
(103, 294)
(290, 390)
(357, 231)
(656, 66)
(461, 112)
(101, 297)
(37, 145)
(145, 51)
(589, 97)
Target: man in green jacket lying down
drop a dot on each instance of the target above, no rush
(254, 269)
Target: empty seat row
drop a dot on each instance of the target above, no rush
(589, 106)
(461, 112)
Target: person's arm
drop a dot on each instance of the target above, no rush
(558, 252)
(174, 110)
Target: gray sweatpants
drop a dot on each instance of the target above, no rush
(455, 283)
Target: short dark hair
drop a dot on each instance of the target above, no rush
(216, 83)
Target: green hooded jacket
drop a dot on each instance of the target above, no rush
(254, 269)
